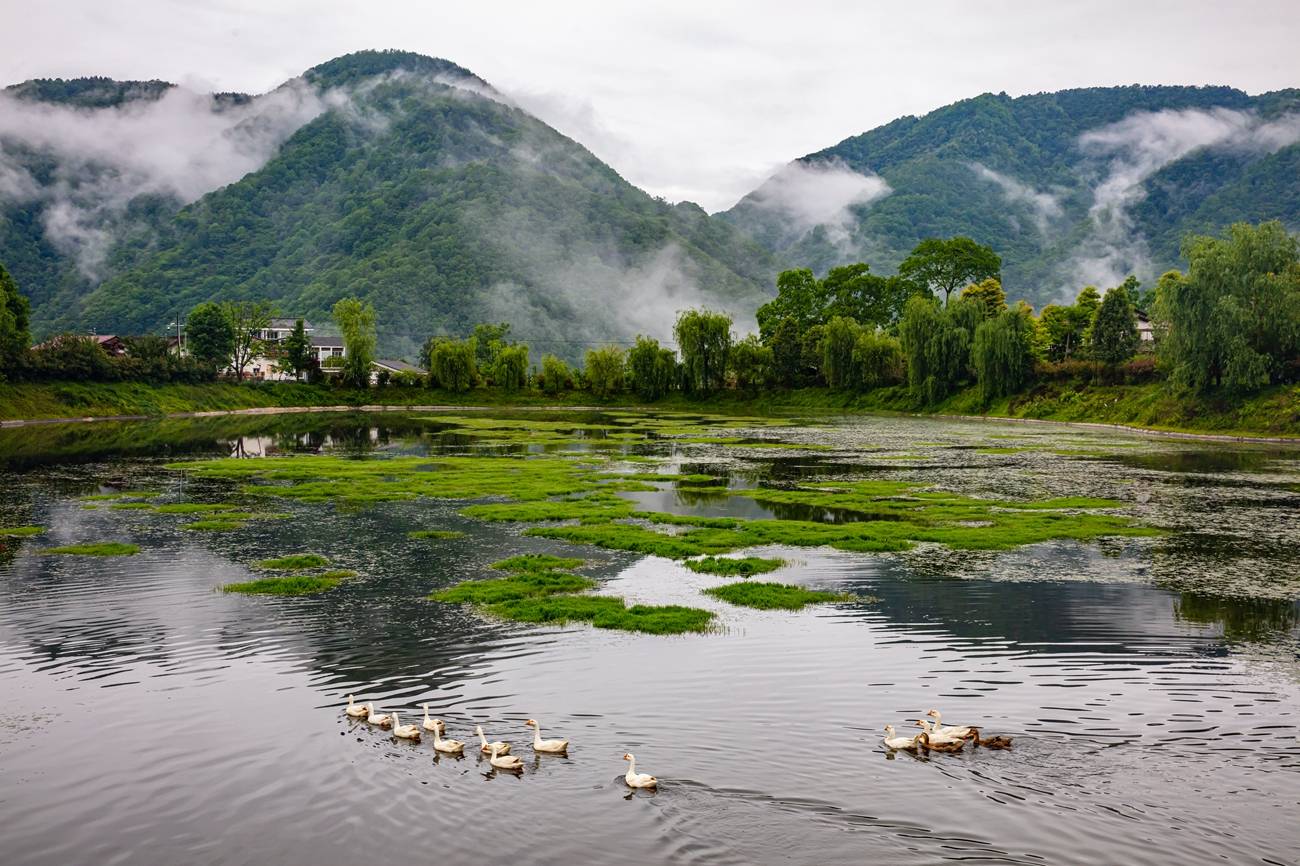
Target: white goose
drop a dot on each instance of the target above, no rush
(434, 725)
(635, 779)
(490, 748)
(958, 732)
(554, 747)
(406, 732)
(381, 720)
(934, 737)
(894, 741)
(356, 711)
(449, 747)
(505, 762)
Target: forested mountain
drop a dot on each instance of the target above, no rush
(404, 180)
(1074, 187)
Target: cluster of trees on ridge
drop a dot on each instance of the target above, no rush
(1231, 322)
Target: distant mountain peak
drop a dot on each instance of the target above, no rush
(92, 92)
(350, 69)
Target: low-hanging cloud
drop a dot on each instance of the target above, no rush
(1132, 150)
(181, 145)
(1043, 207)
(813, 194)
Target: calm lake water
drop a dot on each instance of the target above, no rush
(1152, 685)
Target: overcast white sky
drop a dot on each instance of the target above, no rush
(690, 100)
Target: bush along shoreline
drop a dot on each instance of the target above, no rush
(1214, 350)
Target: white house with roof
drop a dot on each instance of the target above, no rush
(265, 365)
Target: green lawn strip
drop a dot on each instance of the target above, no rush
(98, 548)
(537, 562)
(293, 562)
(745, 565)
(535, 584)
(435, 533)
(20, 531)
(774, 596)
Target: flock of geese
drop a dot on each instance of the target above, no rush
(498, 752)
(934, 737)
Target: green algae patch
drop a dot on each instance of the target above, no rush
(131, 506)
(536, 584)
(214, 525)
(189, 507)
(435, 533)
(293, 562)
(774, 596)
(20, 531)
(121, 494)
(295, 584)
(593, 507)
(605, 612)
(99, 548)
(727, 566)
(537, 562)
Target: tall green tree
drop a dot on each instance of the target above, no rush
(511, 372)
(453, 364)
(295, 351)
(248, 319)
(209, 336)
(936, 341)
(989, 292)
(651, 369)
(1234, 320)
(945, 265)
(1002, 353)
(604, 370)
(15, 320)
(704, 338)
(556, 375)
(355, 320)
(839, 341)
(1114, 332)
(800, 296)
(786, 342)
(878, 360)
(489, 340)
(853, 292)
(751, 363)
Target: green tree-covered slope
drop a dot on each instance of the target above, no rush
(424, 191)
(1071, 187)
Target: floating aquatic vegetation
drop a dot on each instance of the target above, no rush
(121, 494)
(435, 533)
(293, 562)
(537, 562)
(20, 531)
(774, 596)
(605, 612)
(294, 584)
(214, 525)
(98, 548)
(745, 565)
(593, 507)
(131, 506)
(532, 584)
(189, 507)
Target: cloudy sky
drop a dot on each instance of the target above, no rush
(695, 100)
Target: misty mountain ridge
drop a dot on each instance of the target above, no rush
(1071, 188)
(412, 182)
(403, 179)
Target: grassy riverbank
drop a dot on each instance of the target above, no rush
(1273, 412)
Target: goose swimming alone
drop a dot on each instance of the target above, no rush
(635, 779)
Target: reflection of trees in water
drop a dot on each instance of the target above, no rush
(1242, 619)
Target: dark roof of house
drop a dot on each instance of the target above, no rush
(326, 341)
(397, 366)
(282, 324)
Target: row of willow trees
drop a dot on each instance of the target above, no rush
(941, 324)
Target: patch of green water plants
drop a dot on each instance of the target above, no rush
(774, 596)
(189, 507)
(214, 525)
(597, 506)
(537, 562)
(20, 531)
(131, 506)
(435, 533)
(121, 494)
(293, 562)
(531, 584)
(605, 612)
(98, 548)
(294, 584)
(727, 566)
